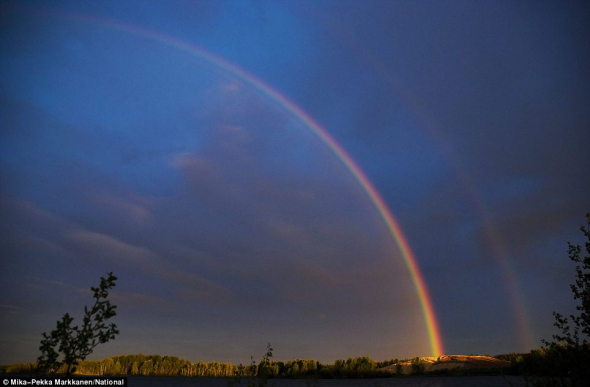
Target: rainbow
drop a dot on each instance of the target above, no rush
(432, 327)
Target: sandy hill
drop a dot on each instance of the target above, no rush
(449, 362)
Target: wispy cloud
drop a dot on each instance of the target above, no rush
(142, 259)
(133, 206)
(137, 299)
(107, 247)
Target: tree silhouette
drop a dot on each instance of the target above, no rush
(581, 288)
(77, 342)
(570, 352)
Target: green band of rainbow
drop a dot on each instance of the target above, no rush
(393, 226)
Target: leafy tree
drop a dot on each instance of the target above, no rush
(135, 368)
(572, 348)
(417, 366)
(581, 290)
(265, 368)
(77, 342)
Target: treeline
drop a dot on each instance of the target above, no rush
(555, 361)
(139, 365)
(156, 365)
(357, 367)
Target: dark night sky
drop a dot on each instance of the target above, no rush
(230, 224)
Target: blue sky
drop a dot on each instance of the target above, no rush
(230, 224)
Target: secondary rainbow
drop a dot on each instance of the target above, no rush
(435, 340)
(499, 251)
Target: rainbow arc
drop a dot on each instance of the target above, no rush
(428, 312)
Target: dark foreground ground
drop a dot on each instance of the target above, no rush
(430, 381)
